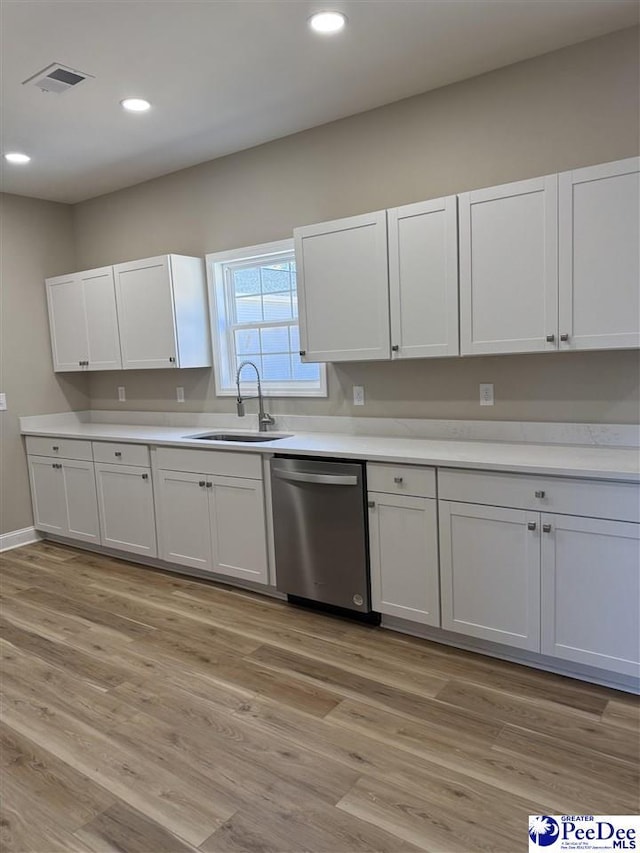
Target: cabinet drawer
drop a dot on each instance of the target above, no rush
(401, 480)
(121, 454)
(565, 495)
(65, 448)
(248, 465)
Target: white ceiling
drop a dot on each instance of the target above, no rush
(223, 76)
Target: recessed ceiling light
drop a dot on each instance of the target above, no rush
(16, 157)
(327, 22)
(136, 105)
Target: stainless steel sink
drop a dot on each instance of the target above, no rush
(240, 436)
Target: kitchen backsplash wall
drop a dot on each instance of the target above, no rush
(573, 107)
(36, 240)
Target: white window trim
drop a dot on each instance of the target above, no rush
(216, 285)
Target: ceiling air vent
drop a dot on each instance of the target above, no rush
(57, 78)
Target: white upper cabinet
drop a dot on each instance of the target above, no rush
(163, 314)
(509, 268)
(343, 289)
(83, 321)
(599, 256)
(423, 279)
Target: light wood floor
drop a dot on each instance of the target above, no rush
(148, 713)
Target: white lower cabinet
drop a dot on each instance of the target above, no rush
(213, 523)
(490, 573)
(591, 592)
(125, 501)
(403, 536)
(63, 495)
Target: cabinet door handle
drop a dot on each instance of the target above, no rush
(564, 337)
(539, 493)
(546, 528)
(145, 476)
(201, 483)
(172, 359)
(550, 339)
(398, 480)
(371, 504)
(531, 525)
(395, 348)
(303, 352)
(209, 484)
(117, 453)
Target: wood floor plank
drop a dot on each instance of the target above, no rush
(121, 828)
(345, 682)
(570, 726)
(624, 713)
(72, 796)
(190, 814)
(28, 826)
(443, 818)
(325, 829)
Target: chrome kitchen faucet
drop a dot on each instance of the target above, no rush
(264, 419)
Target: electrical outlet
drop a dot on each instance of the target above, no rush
(122, 397)
(486, 394)
(3, 402)
(358, 395)
(180, 394)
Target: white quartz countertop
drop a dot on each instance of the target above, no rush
(608, 462)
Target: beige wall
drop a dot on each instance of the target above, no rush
(36, 240)
(573, 107)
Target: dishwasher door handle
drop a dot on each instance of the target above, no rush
(320, 479)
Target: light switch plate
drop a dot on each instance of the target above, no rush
(180, 394)
(121, 394)
(486, 394)
(3, 402)
(358, 395)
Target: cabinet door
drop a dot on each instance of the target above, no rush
(591, 592)
(423, 279)
(238, 528)
(146, 313)
(343, 290)
(490, 573)
(509, 268)
(403, 536)
(67, 323)
(125, 501)
(80, 501)
(184, 530)
(101, 319)
(599, 256)
(47, 495)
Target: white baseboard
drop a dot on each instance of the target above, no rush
(17, 538)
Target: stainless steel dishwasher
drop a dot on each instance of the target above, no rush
(320, 529)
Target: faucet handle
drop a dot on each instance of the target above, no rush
(240, 407)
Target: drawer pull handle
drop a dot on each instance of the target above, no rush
(201, 483)
(564, 337)
(546, 528)
(117, 453)
(550, 339)
(56, 465)
(531, 525)
(395, 348)
(539, 493)
(371, 504)
(145, 476)
(398, 480)
(55, 447)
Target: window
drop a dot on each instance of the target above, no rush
(255, 318)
